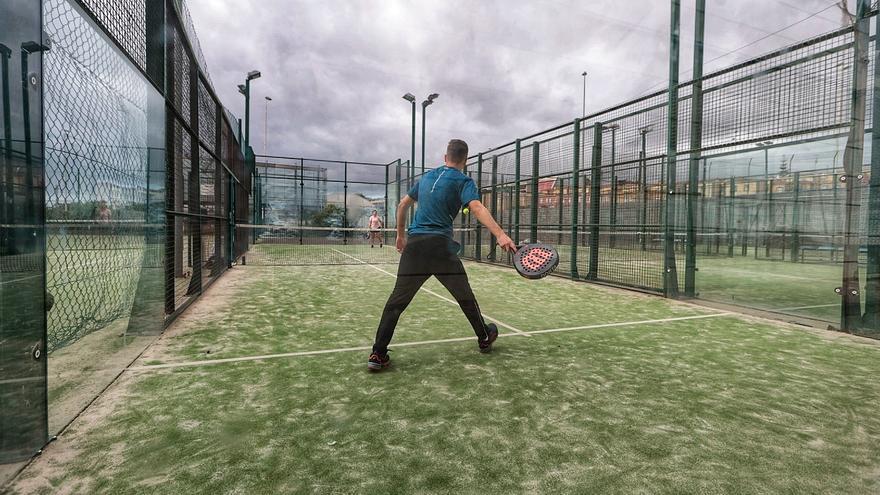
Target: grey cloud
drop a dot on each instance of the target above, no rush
(336, 70)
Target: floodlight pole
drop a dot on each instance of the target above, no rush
(425, 105)
(266, 128)
(411, 166)
(254, 74)
(584, 105)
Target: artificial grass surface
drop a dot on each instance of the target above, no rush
(719, 405)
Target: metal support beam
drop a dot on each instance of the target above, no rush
(517, 194)
(494, 206)
(796, 219)
(731, 214)
(595, 192)
(533, 230)
(696, 135)
(670, 278)
(575, 176)
(478, 249)
(871, 318)
(852, 162)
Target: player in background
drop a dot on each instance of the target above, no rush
(375, 224)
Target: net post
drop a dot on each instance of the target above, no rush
(696, 142)
(595, 193)
(574, 193)
(533, 230)
(478, 249)
(516, 198)
(494, 199)
(670, 275)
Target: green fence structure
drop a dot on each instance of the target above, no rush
(761, 199)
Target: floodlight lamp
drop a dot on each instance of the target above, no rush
(433, 96)
(254, 74)
(409, 97)
(268, 98)
(242, 89)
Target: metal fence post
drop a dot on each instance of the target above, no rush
(871, 317)
(575, 171)
(478, 249)
(696, 135)
(851, 317)
(560, 208)
(517, 194)
(731, 209)
(533, 232)
(494, 206)
(670, 279)
(796, 218)
(595, 192)
(345, 203)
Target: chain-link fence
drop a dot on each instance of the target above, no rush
(310, 211)
(760, 209)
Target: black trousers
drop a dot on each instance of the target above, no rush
(424, 256)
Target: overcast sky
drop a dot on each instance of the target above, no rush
(336, 70)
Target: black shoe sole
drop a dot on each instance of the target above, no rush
(377, 366)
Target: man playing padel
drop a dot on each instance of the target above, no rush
(430, 250)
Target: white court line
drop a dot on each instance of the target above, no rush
(429, 291)
(804, 307)
(630, 323)
(149, 367)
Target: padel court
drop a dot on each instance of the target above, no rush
(262, 387)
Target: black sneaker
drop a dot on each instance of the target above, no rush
(377, 362)
(492, 334)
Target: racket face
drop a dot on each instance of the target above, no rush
(535, 261)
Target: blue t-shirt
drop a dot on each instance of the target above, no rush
(441, 193)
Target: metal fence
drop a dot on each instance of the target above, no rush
(769, 204)
(143, 181)
(310, 211)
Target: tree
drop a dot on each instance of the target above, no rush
(330, 215)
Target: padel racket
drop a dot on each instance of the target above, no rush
(535, 261)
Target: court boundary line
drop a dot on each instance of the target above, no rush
(208, 362)
(429, 291)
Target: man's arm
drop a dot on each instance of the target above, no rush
(405, 203)
(482, 214)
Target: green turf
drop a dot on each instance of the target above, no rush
(719, 405)
(309, 308)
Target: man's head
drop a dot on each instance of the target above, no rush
(375, 212)
(456, 154)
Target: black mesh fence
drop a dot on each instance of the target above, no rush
(757, 215)
(310, 211)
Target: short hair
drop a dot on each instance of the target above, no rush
(457, 151)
